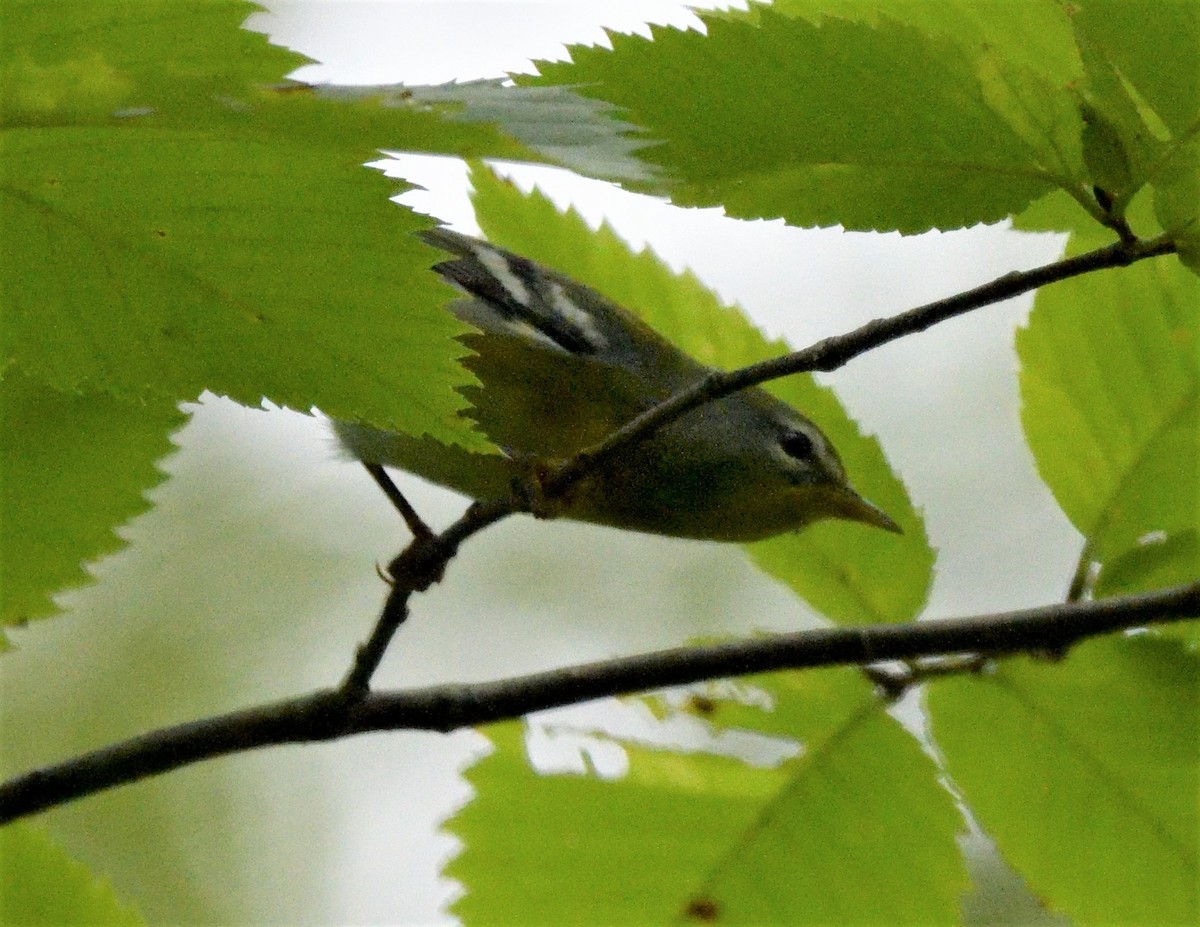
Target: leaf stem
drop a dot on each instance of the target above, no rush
(1081, 580)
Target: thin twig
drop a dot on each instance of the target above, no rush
(415, 569)
(893, 682)
(416, 524)
(832, 353)
(326, 715)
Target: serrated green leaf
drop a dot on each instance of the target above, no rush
(706, 837)
(849, 572)
(41, 885)
(1031, 35)
(717, 113)
(1086, 773)
(220, 230)
(1109, 383)
(73, 469)
(1038, 111)
(239, 289)
(881, 127)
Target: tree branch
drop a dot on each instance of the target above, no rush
(327, 715)
(832, 353)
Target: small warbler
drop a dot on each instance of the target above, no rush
(561, 367)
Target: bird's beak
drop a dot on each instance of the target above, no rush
(853, 507)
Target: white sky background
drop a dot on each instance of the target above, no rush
(531, 595)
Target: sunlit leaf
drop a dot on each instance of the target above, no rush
(1086, 773)
(1109, 380)
(701, 836)
(887, 127)
(74, 468)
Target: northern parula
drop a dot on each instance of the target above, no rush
(561, 367)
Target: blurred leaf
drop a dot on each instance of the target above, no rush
(703, 837)
(1086, 773)
(221, 600)
(1140, 128)
(850, 572)
(41, 884)
(74, 469)
(554, 122)
(1153, 564)
(1109, 381)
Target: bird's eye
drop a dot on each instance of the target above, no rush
(797, 444)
